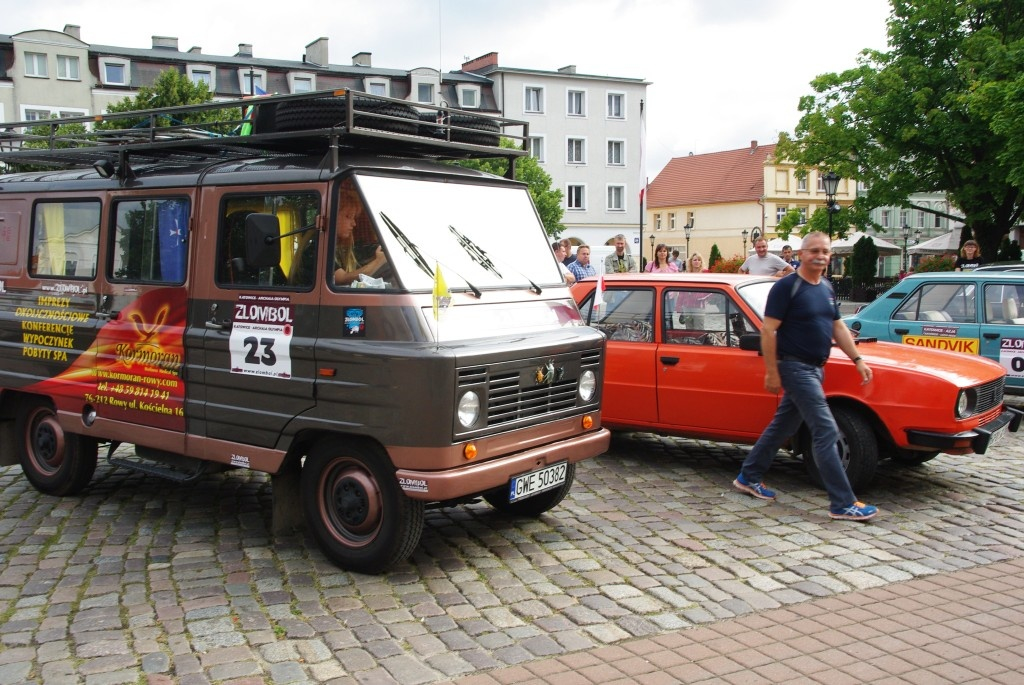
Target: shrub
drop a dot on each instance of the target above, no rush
(727, 266)
(938, 263)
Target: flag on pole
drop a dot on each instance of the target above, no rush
(599, 292)
(643, 156)
(442, 296)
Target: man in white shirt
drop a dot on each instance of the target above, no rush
(763, 263)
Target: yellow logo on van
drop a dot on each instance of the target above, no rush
(966, 345)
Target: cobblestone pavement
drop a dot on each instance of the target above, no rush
(143, 581)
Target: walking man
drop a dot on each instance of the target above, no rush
(800, 321)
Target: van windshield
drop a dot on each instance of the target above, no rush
(482, 236)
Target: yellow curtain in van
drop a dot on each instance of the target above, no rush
(289, 221)
(53, 222)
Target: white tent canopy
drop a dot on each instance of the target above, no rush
(845, 245)
(948, 243)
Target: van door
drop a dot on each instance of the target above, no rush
(251, 330)
(143, 296)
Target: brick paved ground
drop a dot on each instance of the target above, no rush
(653, 570)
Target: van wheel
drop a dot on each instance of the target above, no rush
(55, 462)
(302, 115)
(354, 507)
(858, 450)
(531, 506)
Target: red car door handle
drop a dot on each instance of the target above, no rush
(670, 361)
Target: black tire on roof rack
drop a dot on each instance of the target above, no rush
(489, 129)
(265, 120)
(303, 115)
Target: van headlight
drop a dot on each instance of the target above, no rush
(469, 409)
(588, 385)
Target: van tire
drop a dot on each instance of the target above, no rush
(858, 449)
(317, 113)
(489, 130)
(531, 506)
(55, 462)
(354, 507)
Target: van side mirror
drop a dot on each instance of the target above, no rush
(262, 240)
(751, 342)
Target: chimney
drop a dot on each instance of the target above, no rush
(316, 53)
(571, 69)
(195, 50)
(165, 43)
(753, 145)
(244, 50)
(73, 30)
(481, 62)
(362, 59)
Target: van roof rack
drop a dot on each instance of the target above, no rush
(261, 125)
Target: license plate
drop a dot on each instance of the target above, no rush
(998, 436)
(529, 484)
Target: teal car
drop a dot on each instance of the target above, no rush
(970, 312)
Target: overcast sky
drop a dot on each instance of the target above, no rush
(722, 72)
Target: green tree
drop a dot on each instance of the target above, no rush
(942, 110)
(48, 137)
(538, 181)
(715, 255)
(172, 89)
(864, 263)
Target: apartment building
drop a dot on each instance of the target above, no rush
(585, 131)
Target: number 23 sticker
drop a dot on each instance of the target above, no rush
(261, 337)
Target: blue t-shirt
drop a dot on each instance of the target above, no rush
(807, 313)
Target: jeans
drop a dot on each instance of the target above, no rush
(804, 400)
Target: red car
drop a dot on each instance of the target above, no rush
(683, 359)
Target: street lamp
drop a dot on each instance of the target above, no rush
(744, 234)
(687, 228)
(830, 182)
(653, 256)
(905, 233)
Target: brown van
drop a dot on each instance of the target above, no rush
(316, 294)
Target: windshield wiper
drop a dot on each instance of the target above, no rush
(417, 256)
(480, 256)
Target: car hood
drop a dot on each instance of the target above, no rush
(961, 369)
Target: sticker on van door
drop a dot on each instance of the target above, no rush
(261, 336)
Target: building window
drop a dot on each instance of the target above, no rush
(114, 72)
(202, 76)
(616, 152)
(537, 148)
(904, 217)
(469, 97)
(577, 150)
(803, 214)
(616, 106)
(657, 222)
(251, 81)
(301, 82)
(920, 219)
(533, 99)
(577, 103)
(425, 93)
(780, 213)
(35, 64)
(67, 67)
(886, 218)
(377, 87)
(671, 221)
(801, 184)
(36, 114)
(616, 198)
(575, 197)
(202, 73)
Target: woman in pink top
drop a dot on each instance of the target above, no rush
(661, 263)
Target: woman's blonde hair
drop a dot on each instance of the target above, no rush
(974, 243)
(689, 261)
